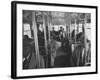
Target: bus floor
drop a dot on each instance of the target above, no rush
(59, 58)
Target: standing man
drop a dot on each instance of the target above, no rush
(53, 33)
(61, 33)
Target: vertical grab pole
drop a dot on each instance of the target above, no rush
(44, 27)
(50, 23)
(48, 20)
(34, 27)
(66, 33)
(70, 27)
(49, 47)
(85, 37)
(75, 31)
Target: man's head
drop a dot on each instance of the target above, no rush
(53, 28)
(61, 28)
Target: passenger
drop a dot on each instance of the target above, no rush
(61, 33)
(28, 48)
(78, 52)
(89, 52)
(53, 33)
(47, 33)
(87, 55)
(73, 35)
(41, 40)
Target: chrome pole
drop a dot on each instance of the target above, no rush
(45, 36)
(34, 27)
